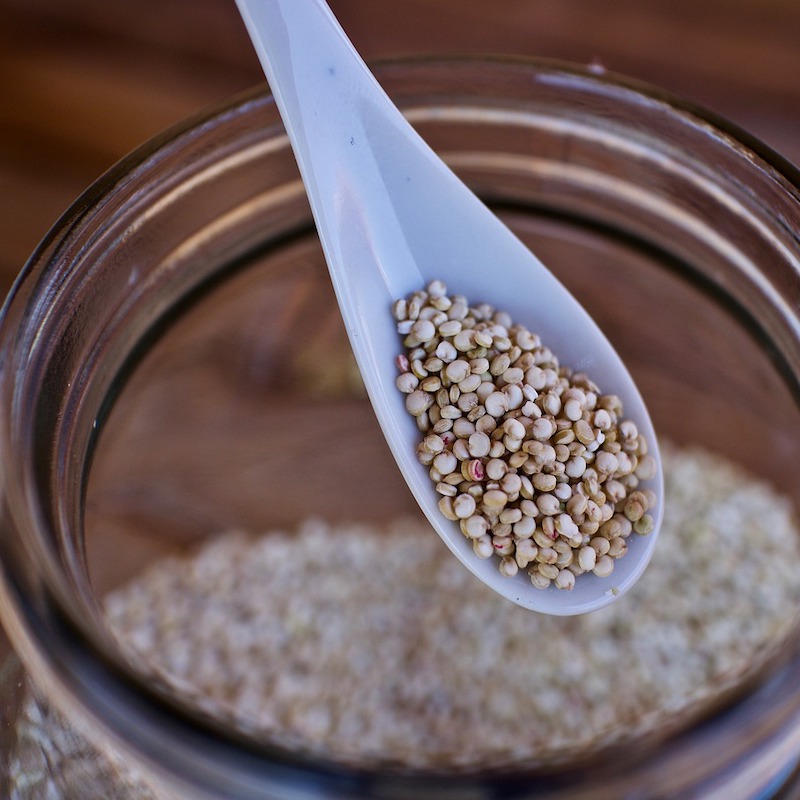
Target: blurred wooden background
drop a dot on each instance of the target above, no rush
(84, 82)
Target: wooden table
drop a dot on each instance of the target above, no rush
(84, 82)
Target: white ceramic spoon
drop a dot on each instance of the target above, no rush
(392, 217)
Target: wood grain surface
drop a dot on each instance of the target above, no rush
(84, 82)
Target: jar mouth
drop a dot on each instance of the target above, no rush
(47, 445)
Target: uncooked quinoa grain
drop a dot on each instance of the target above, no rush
(370, 645)
(510, 410)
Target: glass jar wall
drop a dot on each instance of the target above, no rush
(176, 382)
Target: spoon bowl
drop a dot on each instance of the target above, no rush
(392, 217)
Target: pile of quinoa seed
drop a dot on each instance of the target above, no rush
(534, 463)
(369, 644)
(444, 673)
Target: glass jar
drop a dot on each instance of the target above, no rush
(174, 368)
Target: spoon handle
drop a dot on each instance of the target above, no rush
(335, 112)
